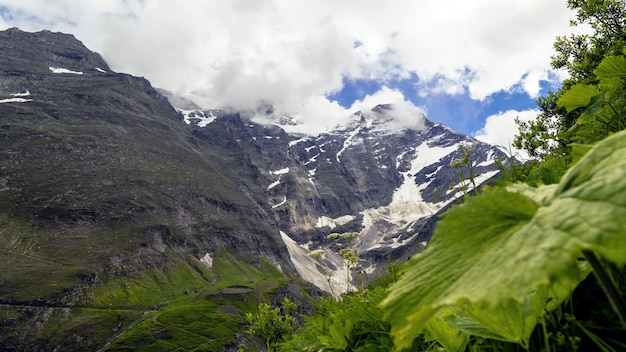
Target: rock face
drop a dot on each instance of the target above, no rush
(101, 177)
(372, 176)
(105, 172)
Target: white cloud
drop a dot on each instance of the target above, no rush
(294, 53)
(500, 129)
(404, 113)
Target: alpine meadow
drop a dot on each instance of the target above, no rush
(133, 219)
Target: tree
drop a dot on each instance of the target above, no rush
(579, 55)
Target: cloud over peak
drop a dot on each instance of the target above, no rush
(295, 54)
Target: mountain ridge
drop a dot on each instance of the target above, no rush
(362, 177)
(103, 180)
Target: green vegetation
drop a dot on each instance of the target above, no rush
(269, 325)
(189, 307)
(181, 305)
(519, 256)
(550, 135)
(508, 268)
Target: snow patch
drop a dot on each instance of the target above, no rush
(207, 260)
(313, 159)
(303, 139)
(273, 184)
(486, 163)
(490, 159)
(434, 172)
(64, 70)
(200, 118)
(280, 172)
(100, 70)
(348, 142)
(312, 175)
(407, 205)
(427, 155)
(24, 94)
(325, 221)
(307, 267)
(467, 183)
(281, 203)
(14, 100)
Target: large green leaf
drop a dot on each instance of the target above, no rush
(611, 67)
(577, 96)
(503, 257)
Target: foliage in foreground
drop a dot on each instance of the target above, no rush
(506, 270)
(501, 264)
(548, 135)
(519, 255)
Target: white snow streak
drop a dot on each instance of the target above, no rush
(303, 139)
(273, 184)
(281, 203)
(25, 94)
(313, 159)
(490, 159)
(63, 70)
(468, 183)
(14, 100)
(280, 172)
(325, 221)
(348, 142)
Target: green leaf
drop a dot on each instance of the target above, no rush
(577, 96)
(452, 340)
(451, 269)
(611, 67)
(513, 321)
(579, 150)
(503, 257)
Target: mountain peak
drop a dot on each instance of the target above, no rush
(104, 183)
(39, 51)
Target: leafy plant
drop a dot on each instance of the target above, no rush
(579, 55)
(317, 255)
(517, 252)
(465, 161)
(269, 325)
(604, 104)
(352, 324)
(349, 255)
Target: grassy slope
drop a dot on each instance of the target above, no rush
(191, 312)
(183, 305)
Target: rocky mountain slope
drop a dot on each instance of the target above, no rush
(102, 181)
(372, 176)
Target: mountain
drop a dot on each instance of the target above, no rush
(118, 210)
(101, 181)
(372, 176)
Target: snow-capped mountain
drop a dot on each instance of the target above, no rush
(109, 194)
(371, 176)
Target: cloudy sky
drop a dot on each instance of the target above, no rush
(471, 64)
